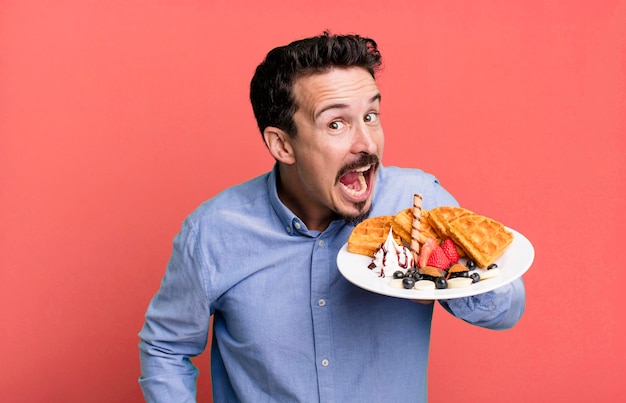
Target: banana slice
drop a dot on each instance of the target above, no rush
(459, 282)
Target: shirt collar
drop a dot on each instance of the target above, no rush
(291, 223)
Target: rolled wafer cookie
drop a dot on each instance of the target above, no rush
(415, 226)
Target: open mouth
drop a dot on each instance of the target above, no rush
(356, 183)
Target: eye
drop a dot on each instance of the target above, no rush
(371, 117)
(336, 125)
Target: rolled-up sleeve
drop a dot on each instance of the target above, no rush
(176, 326)
(499, 309)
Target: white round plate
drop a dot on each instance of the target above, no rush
(513, 263)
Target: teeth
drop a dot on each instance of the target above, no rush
(363, 169)
(363, 187)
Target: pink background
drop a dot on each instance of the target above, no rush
(117, 120)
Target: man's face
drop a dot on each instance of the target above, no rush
(340, 141)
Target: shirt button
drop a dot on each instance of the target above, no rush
(321, 243)
(288, 229)
(296, 225)
(325, 362)
(321, 302)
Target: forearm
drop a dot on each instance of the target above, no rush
(498, 309)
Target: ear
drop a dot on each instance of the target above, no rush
(279, 144)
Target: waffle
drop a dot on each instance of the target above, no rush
(403, 222)
(427, 230)
(440, 217)
(368, 235)
(482, 238)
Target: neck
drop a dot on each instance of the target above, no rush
(314, 217)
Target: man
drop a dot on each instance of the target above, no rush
(261, 257)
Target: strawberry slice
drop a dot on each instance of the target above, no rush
(438, 258)
(425, 251)
(449, 248)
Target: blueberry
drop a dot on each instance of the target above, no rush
(398, 274)
(408, 282)
(470, 264)
(475, 277)
(492, 266)
(441, 283)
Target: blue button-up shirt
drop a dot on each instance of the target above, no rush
(287, 327)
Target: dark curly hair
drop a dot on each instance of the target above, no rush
(271, 94)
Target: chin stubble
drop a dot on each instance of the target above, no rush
(355, 220)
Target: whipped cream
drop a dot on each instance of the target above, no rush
(391, 257)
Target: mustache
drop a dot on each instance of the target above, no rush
(367, 159)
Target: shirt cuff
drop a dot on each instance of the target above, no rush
(497, 309)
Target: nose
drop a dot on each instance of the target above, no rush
(366, 139)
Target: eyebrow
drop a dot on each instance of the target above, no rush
(373, 99)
